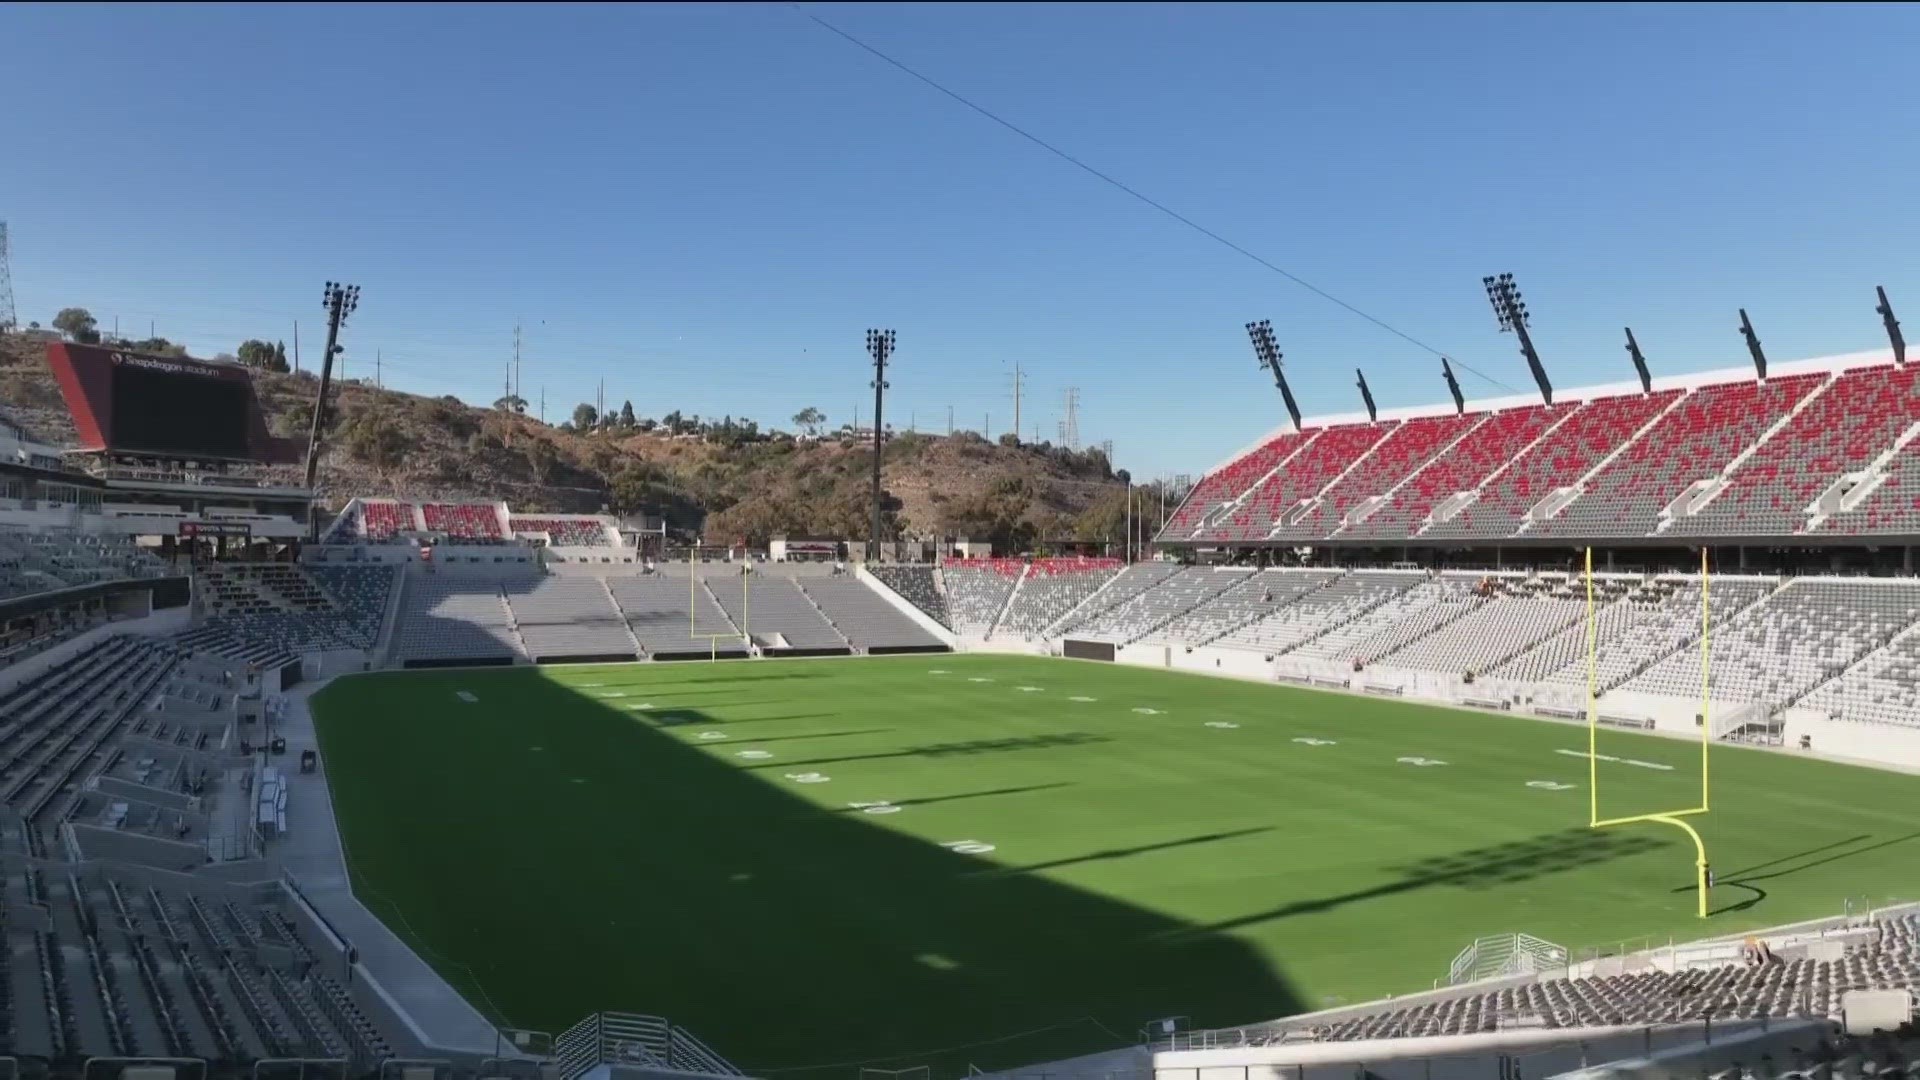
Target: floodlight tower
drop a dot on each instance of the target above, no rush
(1267, 351)
(879, 346)
(1511, 312)
(1885, 308)
(340, 301)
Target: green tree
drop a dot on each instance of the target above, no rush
(512, 403)
(255, 353)
(540, 460)
(626, 414)
(810, 419)
(374, 438)
(585, 416)
(78, 324)
(280, 358)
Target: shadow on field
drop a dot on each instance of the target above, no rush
(1122, 853)
(1476, 868)
(956, 749)
(1796, 863)
(932, 799)
(672, 879)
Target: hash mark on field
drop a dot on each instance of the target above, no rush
(938, 671)
(978, 678)
(1224, 724)
(1082, 697)
(1549, 785)
(1028, 689)
(466, 696)
(1619, 760)
(1308, 740)
(1144, 711)
(1422, 762)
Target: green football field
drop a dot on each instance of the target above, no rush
(955, 860)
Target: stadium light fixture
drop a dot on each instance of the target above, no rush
(880, 344)
(1511, 313)
(1892, 325)
(1267, 351)
(1639, 363)
(1753, 345)
(1453, 387)
(340, 301)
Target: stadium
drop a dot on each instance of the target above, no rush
(453, 789)
(1568, 732)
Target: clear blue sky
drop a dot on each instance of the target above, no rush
(707, 206)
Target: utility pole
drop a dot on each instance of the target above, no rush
(516, 361)
(880, 345)
(1016, 400)
(8, 317)
(949, 421)
(296, 346)
(543, 404)
(377, 384)
(340, 302)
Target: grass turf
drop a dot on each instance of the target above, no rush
(651, 838)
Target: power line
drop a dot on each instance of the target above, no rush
(1142, 197)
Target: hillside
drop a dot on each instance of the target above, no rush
(384, 442)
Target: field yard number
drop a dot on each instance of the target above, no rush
(1227, 724)
(712, 736)
(880, 806)
(754, 755)
(1144, 711)
(1307, 740)
(938, 671)
(639, 705)
(808, 777)
(1082, 697)
(466, 696)
(978, 678)
(1028, 689)
(1549, 785)
(968, 847)
(612, 694)
(1421, 762)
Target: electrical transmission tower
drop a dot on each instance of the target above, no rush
(1070, 428)
(7, 319)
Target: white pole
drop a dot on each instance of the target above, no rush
(1129, 521)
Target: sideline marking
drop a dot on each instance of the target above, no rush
(465, 696)
(1618, 760)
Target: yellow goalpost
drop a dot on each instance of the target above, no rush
(1675, 818)
(693, 602)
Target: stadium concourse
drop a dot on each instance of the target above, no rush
(173, 885)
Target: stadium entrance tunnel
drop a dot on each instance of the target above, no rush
(560, 850)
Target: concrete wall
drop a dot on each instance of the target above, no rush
(119, 846)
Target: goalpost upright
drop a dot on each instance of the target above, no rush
(693, 602)
(1676, 818)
